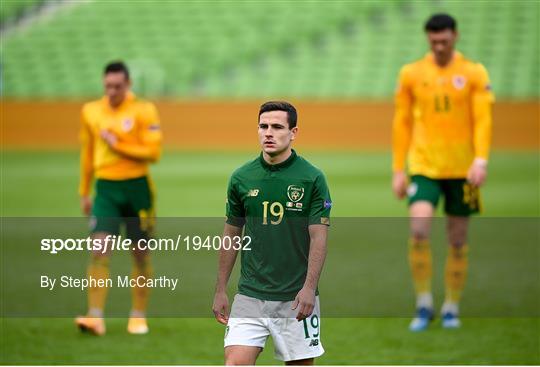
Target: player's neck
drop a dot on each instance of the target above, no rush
(116, 105)
(119, 104)
(444, 62)
(279, 158)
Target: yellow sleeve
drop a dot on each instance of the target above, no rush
(402, 124)
(87, 156)
(149, 146)
(482, 100)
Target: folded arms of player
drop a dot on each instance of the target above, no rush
(227, 258)
(148, 145)
(401, 134)
(147, 150)
(305, 299)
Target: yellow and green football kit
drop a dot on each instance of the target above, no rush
(442, 124)
(124, 192)
(123, 188)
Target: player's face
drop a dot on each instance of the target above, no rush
(275, 136)
(442, 44)
(116, 87)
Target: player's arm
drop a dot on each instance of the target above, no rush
(305, 300)
(227, 258)
(319, 214)
(401, 133)
(482, 100)
(233, 227)
(86, 164)
(148, 148)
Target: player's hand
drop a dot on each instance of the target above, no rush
(477, 172)
(221, 307)
(86, 205)
(110, 138)
(399, 184)
(304, 302)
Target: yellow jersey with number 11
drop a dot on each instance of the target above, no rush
(443, 117)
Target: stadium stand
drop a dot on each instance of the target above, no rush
(10, 10)
(337, 49)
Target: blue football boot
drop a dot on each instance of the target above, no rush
(450, 321)
(423, 317)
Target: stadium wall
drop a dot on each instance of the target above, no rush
(232, 125)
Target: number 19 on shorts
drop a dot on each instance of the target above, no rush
(311, 326)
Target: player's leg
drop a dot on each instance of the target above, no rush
(142, 266)
(139, 225)
(241, 355)
(104, 222)
(456, 269)
(98, 269)
(423, 195)
(461, 200)
(246, 331)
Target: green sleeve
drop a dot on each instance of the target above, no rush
(234, 209)
(321, 203)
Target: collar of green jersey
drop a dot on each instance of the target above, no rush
(278, 166)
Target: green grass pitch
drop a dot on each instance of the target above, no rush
(192, 184)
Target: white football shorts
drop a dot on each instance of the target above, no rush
(252, 320)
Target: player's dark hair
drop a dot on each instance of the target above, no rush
(292, 116)
(116, 67)
(440, 22)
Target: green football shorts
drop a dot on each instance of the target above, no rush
(460, 197)
(128, 202)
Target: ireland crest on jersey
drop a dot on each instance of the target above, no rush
(295, 193)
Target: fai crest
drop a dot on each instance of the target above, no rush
(295, 193)
(459, 81)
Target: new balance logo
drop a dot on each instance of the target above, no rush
(253, 192)
(314, 342)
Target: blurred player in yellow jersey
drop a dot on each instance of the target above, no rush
(442, 128)
(120, 136)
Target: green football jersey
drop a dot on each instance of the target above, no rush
(276, 204)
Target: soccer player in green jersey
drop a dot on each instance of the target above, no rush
(282, 203)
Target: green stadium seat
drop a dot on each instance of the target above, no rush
(338, 49)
